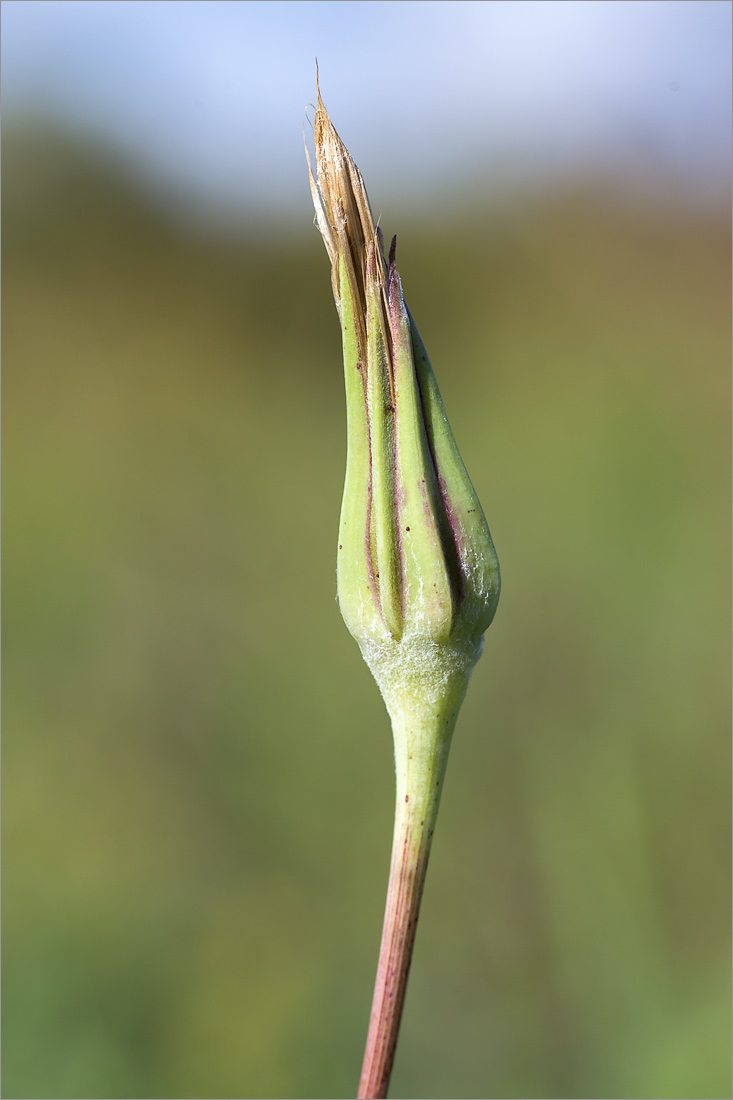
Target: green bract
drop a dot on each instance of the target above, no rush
(418, 576)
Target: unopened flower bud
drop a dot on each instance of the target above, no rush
(418, 576)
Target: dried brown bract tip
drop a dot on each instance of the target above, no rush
(343, 216)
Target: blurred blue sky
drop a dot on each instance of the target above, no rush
(205, 99)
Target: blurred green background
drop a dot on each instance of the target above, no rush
(198, 777)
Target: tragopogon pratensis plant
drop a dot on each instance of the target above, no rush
(418, 577)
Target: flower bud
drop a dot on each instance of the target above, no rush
(418, 576)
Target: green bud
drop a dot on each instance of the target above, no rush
(418, 576)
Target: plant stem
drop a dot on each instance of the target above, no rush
(420, 756)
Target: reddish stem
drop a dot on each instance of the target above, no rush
(421, 754)
(410, 853)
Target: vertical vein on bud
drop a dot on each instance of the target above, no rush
(478, 572)
(428, 596)
(380, 401)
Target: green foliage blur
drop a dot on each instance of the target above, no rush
(198, 776)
